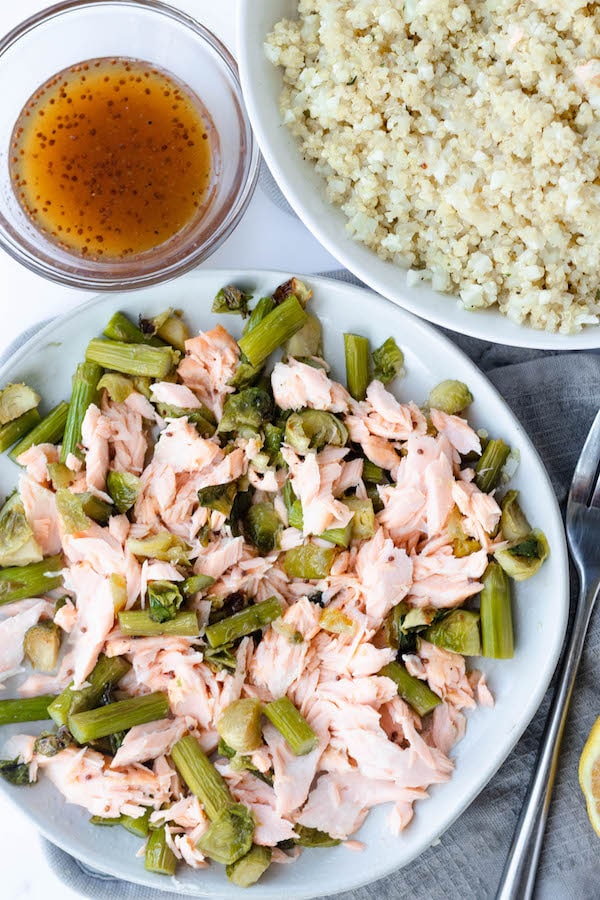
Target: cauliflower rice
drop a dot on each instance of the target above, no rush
(461, 140)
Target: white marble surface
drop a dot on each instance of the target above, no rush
(265, 238)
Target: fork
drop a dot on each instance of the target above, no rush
(583, 534)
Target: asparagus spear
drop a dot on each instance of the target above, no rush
(107, 672)
(18, 582)
(292, 725)
(49, 431)
(132, 359)
(356, 349)
(85, 391)
(497, 636)
(200, 775)
(247, 870)
(415, 692)
(276, 327)
(159, 858)
(98, 723)
(245, 622)
(18, 428)
(32, 709)
(490, 465)
(139, 623)
(120, 328)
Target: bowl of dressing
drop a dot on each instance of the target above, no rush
(126, 156)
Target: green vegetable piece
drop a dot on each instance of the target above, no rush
(450, 396)
(30, 709)
(164, 546)
(60, 475)
(196, 584)
(84, 392)
(458, 631)
(164, 600)
(105, 821)
(244, 622)
(273, 441)
(495, 611)
(114, 717)
(219, 497)
(313, 429)
(18, 582)
(174, 331)
(159, 857)
(373, 474)
(106, 674)
(200, 775)
(140, 623)
(247, 870)
(356, 350)
(312, 837)
(339, 536)
(415, 692)
(70, 510)
(262, 526)
(525, 558)
(229, 836)
(41, 646)
(309, 561)
(277, 327)
(124, 489)
(262, 309)
(363, 521)
(120, 328)
(15, 772)
(202, 418)
(293, 287)
(49, 430)
(239, 725)
(222, 658)
(118, 387)
(251, 408)
(15, 401)
(98, 510)
(308, 340)
(18, 546)
(139, 826)
(49, 743)
(292, 725)
(489, 467)
(132, 359)
(513, 524)
(231, 299)
(18, 428)
(388, 361)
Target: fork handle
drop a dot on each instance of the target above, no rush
(518, 877)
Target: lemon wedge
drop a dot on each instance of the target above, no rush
(589, 775)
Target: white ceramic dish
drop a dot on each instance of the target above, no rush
(47, 362)
(304, 189)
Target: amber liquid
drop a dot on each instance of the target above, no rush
(111, 158)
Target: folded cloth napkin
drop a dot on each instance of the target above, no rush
(556, 397)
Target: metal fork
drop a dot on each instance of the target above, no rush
(583, 533)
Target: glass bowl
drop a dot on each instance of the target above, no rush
(71, 32)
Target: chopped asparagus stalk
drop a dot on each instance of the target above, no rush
(229, 836)
(293, 287)
(114, 717)
(450, 397)
(124, 489)
(120, 328)
(339, 536)
(251, 408)
(32, 709)
(164, 546)
(363, 521)
(18, 428)
(312, 837)
(262, 526)
(276, 328)
(105, 821)
(387, 361)
(524, 558)
(15, 401)
(262, 309)
(356, 349)
(489, 467)
(416, 693)
(139, 826)
(242, 623)
(513, 524)
(49, 430)
(196, 584)
(85, 392)
(458, 631)
(308, 340)
(239, 725)
(231, 299)
(159, 857)
(247, 870)
(18, 546)
(200, 775)
(18, 582)
(139, 623)
(309, 561)
(41, 646)
(106, 674)
(313, 429)
(219, 497)
(495, 610)
(164, 600)
(132, 359)
(118, 387)
(292, 725)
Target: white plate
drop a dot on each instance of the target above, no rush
(304, 189)
(47, 363)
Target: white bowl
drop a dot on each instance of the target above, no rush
(47, 362)
(304, 189)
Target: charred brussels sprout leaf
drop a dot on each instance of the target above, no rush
(50, 743)
(251, 408)
(313, 429)
(231, 299)
(219, 497)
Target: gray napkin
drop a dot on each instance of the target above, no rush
(556, 397)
